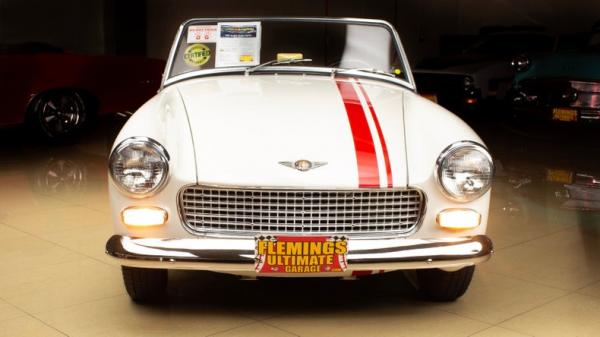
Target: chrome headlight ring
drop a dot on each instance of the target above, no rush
(478, 179)
(154, 171)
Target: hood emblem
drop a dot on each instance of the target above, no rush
(303, 165)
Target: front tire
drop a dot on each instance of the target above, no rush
(143, 284)
(444, 286)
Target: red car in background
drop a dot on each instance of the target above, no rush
(59, 93)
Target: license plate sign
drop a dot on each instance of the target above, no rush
(559, 176)
(300, 254)
(564, 115)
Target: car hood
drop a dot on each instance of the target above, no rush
(248, 130)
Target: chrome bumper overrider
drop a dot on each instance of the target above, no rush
(237, 255)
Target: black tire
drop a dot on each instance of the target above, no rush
(444, 286)
(143, 284)
(59, 115)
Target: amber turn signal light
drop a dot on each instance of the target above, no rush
(144, 216)
(458, 218)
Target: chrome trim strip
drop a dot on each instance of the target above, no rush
(237, 255)
(216, 233)
(167, 71)
(299, 70)
(410, 83)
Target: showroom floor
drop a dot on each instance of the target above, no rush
(544, 279)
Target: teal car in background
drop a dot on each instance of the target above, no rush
(561, 87)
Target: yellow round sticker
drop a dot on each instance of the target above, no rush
(196, 55)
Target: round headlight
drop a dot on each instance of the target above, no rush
(464, 171)
(139, 166)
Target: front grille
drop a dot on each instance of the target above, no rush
(589, 115)
(252, 210)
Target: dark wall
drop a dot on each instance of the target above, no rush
(125, 27)
(86, 26)
(420, 23)
(164, 16)
(148, 26)
(72, 24)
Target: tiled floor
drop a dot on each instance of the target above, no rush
(544, 279)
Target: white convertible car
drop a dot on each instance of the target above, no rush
(296, 147)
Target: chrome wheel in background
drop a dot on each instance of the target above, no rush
(59, 115)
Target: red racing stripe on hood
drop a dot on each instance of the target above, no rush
(386, 157)
(366, 158)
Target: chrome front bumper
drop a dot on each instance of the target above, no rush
(237, 255)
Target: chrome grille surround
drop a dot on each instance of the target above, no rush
(243, 211)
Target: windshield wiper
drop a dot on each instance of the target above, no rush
(336, 71)
(274, 63)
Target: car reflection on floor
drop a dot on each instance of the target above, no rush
(583, 194)
(545, 184)
(545, 222)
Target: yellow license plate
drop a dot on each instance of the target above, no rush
(300, 254)
(431, 97)
(565, 115)
(559, 176)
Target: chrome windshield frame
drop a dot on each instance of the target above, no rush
(408, 83)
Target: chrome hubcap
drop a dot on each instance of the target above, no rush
(61, 114)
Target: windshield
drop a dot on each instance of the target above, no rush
(205, 45)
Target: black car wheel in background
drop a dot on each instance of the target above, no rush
(59, 115)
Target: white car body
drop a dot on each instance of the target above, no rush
(233, 131)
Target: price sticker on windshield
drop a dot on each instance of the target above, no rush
(205, 33)
(238, 44)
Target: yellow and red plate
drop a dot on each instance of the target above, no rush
(300, 254)
(564, 114)
(559, 176)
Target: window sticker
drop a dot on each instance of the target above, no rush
(196, 55)
(238, 44)
(202, 34)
